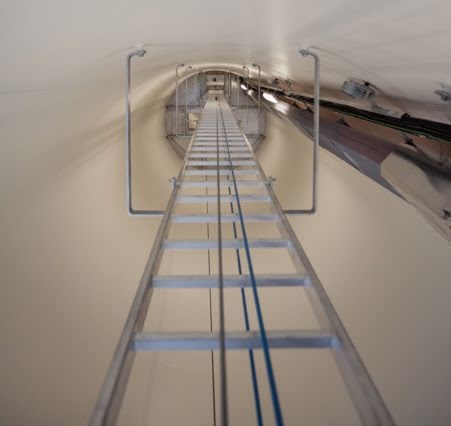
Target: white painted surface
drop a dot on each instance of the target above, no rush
(71, 258)
(387, 272)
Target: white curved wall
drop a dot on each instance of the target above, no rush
(70, 257)
(385, 268)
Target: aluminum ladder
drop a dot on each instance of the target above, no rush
(220, 156)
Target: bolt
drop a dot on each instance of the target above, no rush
(173, 181)
(270, 180)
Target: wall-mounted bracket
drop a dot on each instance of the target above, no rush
(174, 182)
(312, 210)
(270, 180)
(128, 151)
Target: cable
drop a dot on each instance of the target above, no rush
(258, 409)
(213, 385)
(222, 354)
(263, 337)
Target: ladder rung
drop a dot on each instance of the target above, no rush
(221, 138)
(213, 184)
(222, 154)
(249, 172)
(226, 218)
(214, 137)
(198, 144)
(213, 149)
(245, 198)
(230, 281)
(207, 340)
(222, 147)
(221, 163)
(226, 244)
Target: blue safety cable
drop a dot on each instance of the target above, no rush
(213, 386)
(258, 408)
(222, 337)
(264, 340)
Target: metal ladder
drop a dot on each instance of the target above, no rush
(220, 157)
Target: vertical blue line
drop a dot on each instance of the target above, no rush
(258, 409)
(222, 351)
(263, 337)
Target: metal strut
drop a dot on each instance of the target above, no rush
(128, 143)
(312, 210)
(218, 129)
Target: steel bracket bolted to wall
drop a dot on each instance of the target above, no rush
(313, 209)
(128, 136)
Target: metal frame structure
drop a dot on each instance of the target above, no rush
(247, 101)
(199, 82)
(189, 67)
(238, 89)
(316, 117)
(313, 209)
(159, 213)
(218, 148)
(177, 97)
(128, 143)
(259, 94)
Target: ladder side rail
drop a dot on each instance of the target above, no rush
(109, 401)
(361, 387)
